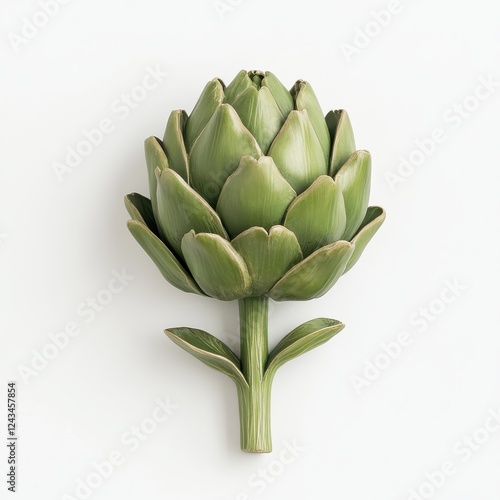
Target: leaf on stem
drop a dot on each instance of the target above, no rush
(305, 337)
(210, 350)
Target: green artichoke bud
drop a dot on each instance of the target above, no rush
(255, 195)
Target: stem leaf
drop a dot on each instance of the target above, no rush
(305, 337)
(210, 350)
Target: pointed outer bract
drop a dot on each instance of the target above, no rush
(315, 275)
(210, 99)
(317, 216)
(354, 179)
(302, 339)
(155, 158)
(218, 151)
(283, 98)
(268, 256)
(260, 115)
(374, 218)
(239, 84)
(139, 208)
(342, 137)
(171, 269)
(210, 350)
(181, 208)
(216, 266)
(305, 98)
(173, 143)
(256, 194)
(297, 152)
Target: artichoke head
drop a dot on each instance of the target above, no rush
(255, 193)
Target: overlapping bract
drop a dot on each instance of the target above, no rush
(255, 193)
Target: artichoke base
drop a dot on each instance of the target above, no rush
(255, 419)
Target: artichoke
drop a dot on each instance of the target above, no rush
(255, 195)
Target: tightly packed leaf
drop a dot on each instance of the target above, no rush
(255, 193)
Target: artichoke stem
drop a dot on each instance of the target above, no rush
(255, 400)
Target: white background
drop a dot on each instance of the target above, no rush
(62, 238)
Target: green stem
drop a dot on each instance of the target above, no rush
(254, 400)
